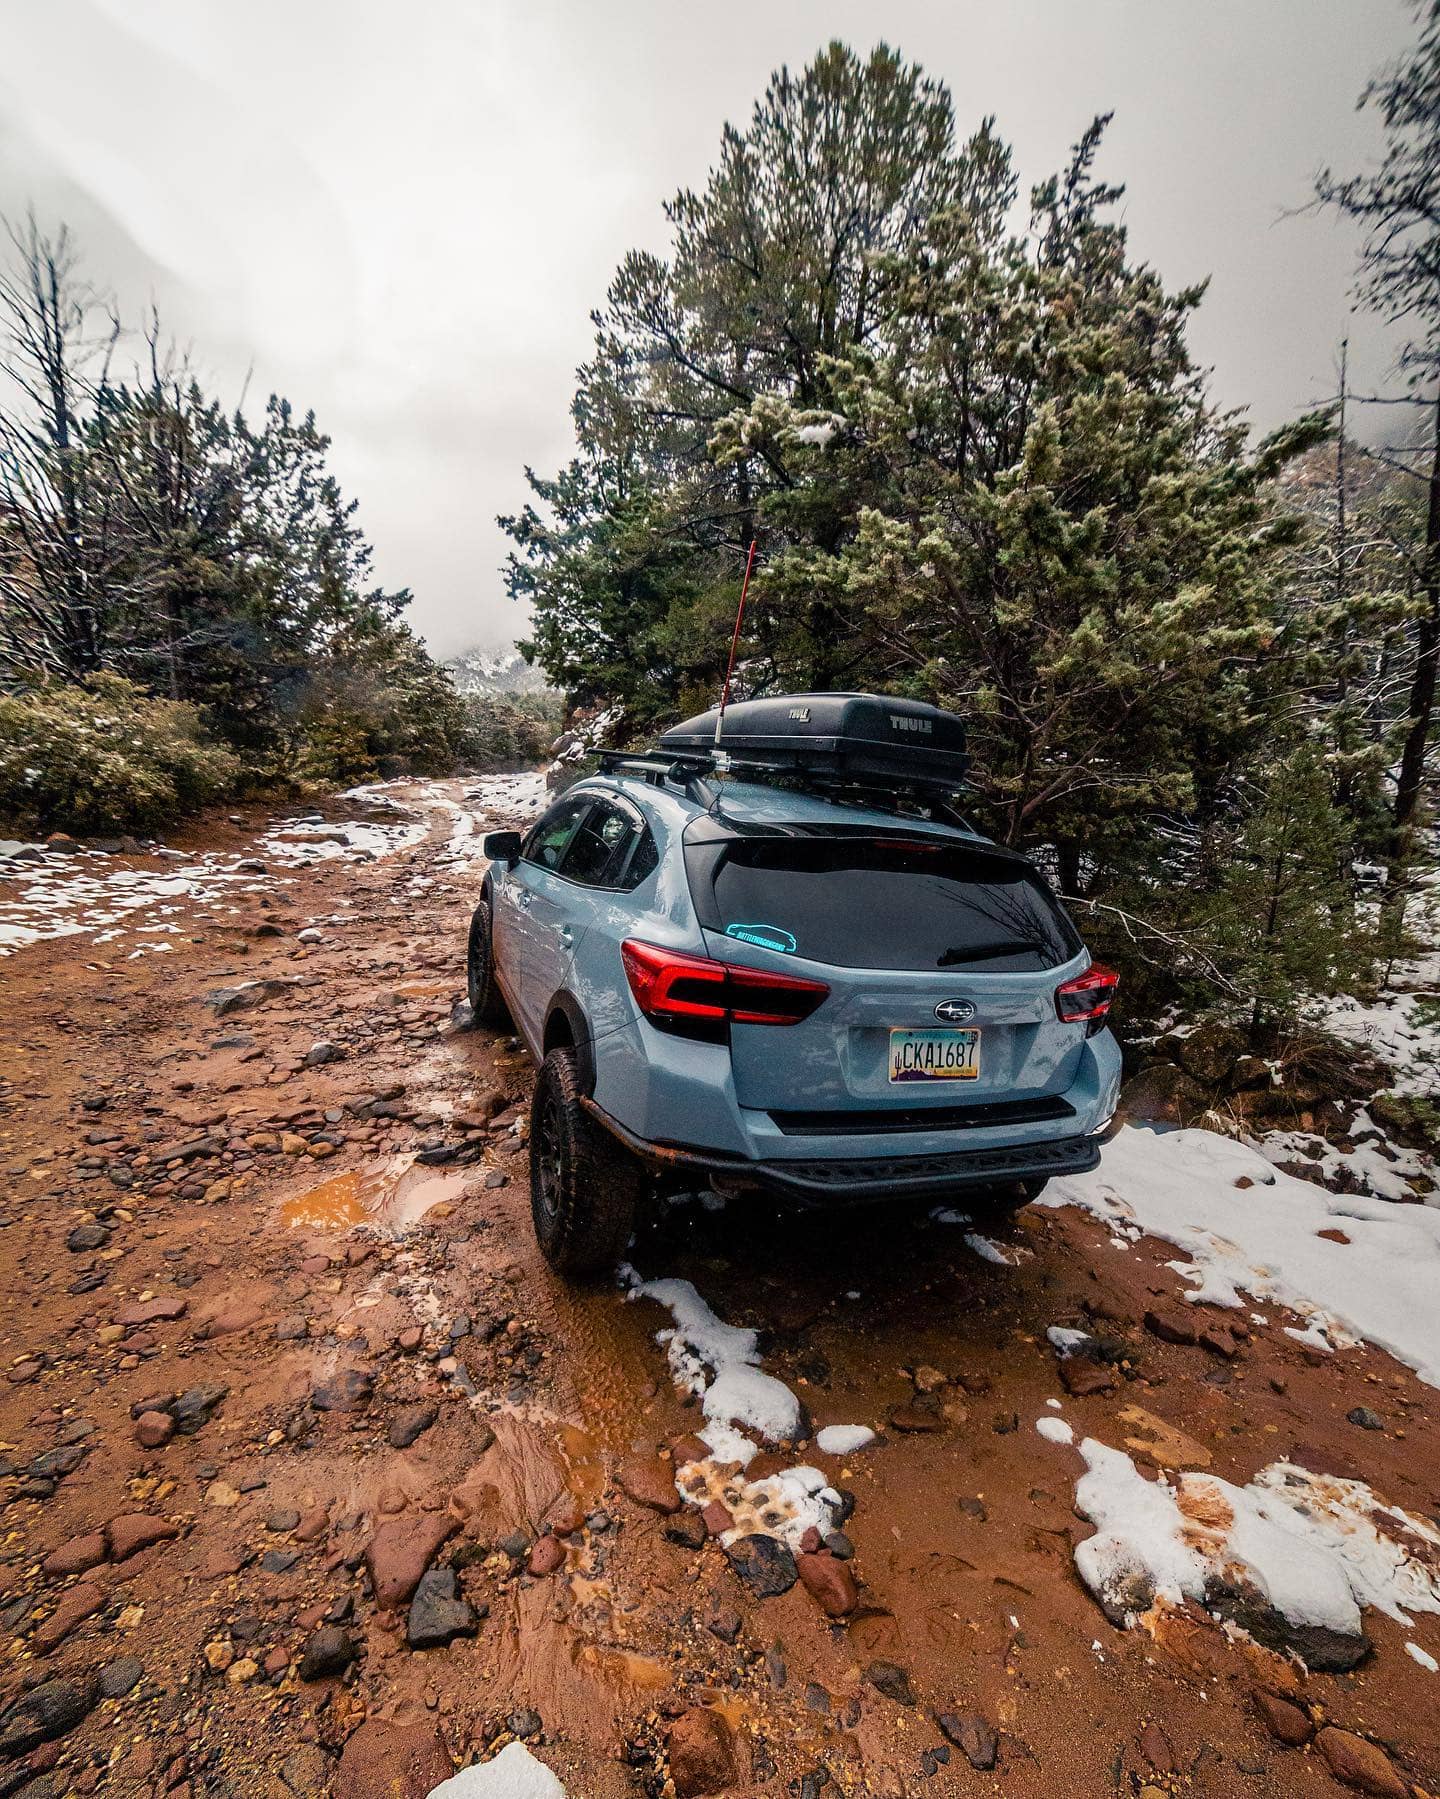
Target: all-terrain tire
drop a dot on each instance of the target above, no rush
(487, 1003)
(585, 1189)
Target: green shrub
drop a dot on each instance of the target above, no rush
(508, 732)
(104, 756)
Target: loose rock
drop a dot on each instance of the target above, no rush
(890, 1679)
(410, 1423)
(45, 1713)
(400, 1552)
(702, 1754)
(439, 1612)
(972, 1736)
(346, 1391)
(153, 1430)
(1356, 1762)
(829, 1581)
(328, 1653)
(764, 1566)
(135, 1531)
(1285, 1721)
(651, 1483)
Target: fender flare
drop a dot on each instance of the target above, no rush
(565, 1005)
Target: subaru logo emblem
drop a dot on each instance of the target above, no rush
(955, 1011)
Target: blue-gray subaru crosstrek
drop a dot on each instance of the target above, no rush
(781, 960)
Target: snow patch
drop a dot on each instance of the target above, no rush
(719, 1362)
(1378, 1166)
(1313, 1546)
(1398, 1030)
(513, 1774)
(297, 845)
(843, 1439)
(1055, 1430)
(1423, 1656)
(90, 892)
(1263, 1239)
(989, 1251)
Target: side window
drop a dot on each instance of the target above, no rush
(550, 837)
(597, 851)
(643, 861)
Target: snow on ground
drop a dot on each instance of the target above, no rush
(89, 892)
(1316, 1548)
(317, 840)
(78, 894)
(1263, 1239)
(720, 1363)
(1401, 1026)
(990, 1251)
(513, 1774)
(843, 1439)
(1371, 1160)
(518, 796)
(508, 795)
(1402, 1030)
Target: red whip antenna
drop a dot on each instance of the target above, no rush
(735, 641)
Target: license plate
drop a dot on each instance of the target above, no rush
(934, 1055)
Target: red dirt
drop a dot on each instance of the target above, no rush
(322, 1299)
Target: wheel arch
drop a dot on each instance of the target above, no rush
(566, 1026)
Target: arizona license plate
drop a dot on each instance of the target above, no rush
(934, 1055)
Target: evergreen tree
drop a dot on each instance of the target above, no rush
(1285, 926)
(177, 563)
(1398, 208)
(981, 465)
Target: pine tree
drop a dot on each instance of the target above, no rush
(1398, 208)
(1285, 925)
(981, 465)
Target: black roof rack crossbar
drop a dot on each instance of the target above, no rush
(658, 767)
(689, 773)
(654, 768)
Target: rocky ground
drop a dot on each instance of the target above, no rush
(316, 1481)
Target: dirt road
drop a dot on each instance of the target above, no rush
(316, 1481)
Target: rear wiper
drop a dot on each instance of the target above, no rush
(1009, 947)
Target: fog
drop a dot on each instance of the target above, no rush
(401, 216)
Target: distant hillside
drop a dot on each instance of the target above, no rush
(488, 674)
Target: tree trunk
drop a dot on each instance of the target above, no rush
(1411, 781)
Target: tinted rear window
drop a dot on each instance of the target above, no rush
(868, 903)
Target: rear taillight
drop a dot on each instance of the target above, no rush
(698, 997)
(1088, 996)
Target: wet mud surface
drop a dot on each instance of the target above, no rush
(403, 1494)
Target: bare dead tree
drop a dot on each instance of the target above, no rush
(57, 532)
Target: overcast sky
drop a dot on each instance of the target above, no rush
(401, 214)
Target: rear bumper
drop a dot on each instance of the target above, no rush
(839, 1179)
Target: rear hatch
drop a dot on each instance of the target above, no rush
(941, 957)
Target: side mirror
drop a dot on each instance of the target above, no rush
(501, 846)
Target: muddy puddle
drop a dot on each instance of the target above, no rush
(393, 1193)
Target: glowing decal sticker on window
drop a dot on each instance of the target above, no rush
(764, 936)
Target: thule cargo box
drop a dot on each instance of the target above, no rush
(859, 735)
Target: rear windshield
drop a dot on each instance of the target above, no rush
(871, 903)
